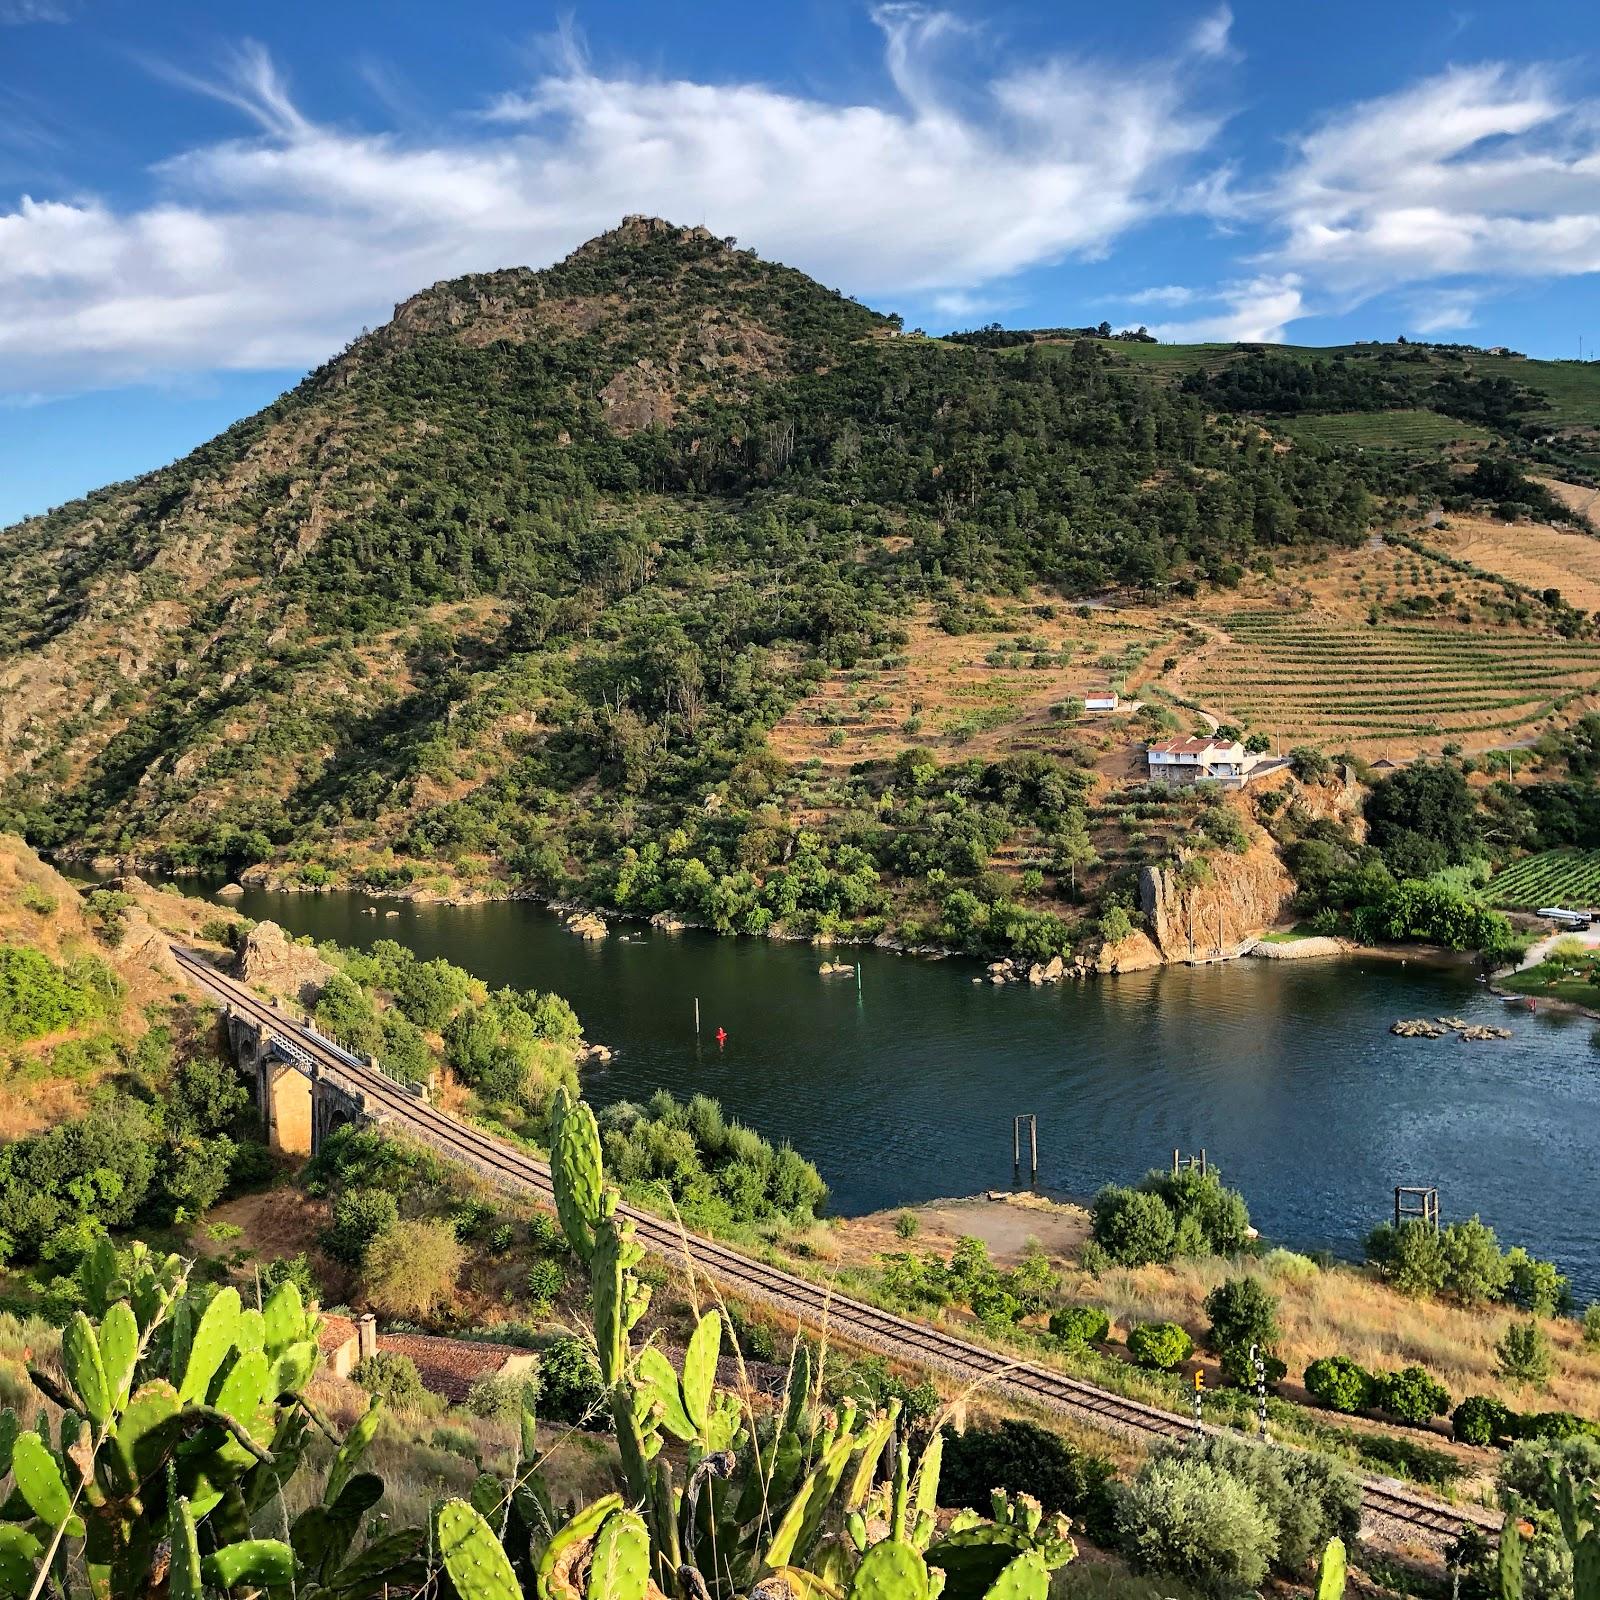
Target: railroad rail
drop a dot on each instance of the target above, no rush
(852, 1321)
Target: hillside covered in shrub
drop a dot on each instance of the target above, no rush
(511, 592)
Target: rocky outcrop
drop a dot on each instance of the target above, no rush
(272, 960)
(1201, 915)
(586, 925)
(145, 944)
(1137, 953)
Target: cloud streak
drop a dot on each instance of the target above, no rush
(272, 249)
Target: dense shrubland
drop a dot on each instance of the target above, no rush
(512, 1047)
(1416, 877)
(530, 639)
(717, 1173)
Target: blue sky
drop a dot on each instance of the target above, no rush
(198, 202)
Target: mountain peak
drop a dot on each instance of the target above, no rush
(638, 229)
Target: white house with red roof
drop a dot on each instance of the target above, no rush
(1200, 760)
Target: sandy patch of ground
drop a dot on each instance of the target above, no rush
(1574, 496)
(1005, 1223)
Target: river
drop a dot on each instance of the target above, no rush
(1285, 1072)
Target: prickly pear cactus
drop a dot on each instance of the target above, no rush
(619, 1564)
(1331, 1575)
(891, 1571)
(575, 1167)
(478, 1565)
(1508, 1567)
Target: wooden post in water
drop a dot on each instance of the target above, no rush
(697, 1016)
(1033, 1146)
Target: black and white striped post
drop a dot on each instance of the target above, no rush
(1258, 1365)
(1199, 1403)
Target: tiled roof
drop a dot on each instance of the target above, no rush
(1190, 747)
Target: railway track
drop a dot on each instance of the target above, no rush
(849, 1320)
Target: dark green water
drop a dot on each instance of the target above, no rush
(1285, 1072)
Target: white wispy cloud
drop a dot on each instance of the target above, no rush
(1486, 170)
(271, 249)
(1256, 312)
(20, 13)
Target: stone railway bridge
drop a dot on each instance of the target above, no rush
(303, 1095)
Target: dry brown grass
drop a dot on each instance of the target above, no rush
(946, 683)
(1346, 1312)
(1538, 556)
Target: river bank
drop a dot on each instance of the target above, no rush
(905, 1089)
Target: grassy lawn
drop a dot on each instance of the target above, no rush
(1554, 981)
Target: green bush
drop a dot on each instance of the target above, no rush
(1530, 1469)
(1591, 1325)
(1080, 1325)
(544, 1233)
(1535, 1285)
(905, 1225)
(1023, 1458)
(1410, 1258)
(719, 1172)
(1411, 1395)
(360, 1216)
(1555, 1426)
(392, 1378)
(1524, 1353)
(38, 997)
(1474, 1267)
(292, 1269)
(570, 1389)
(1243, 1313)
(1133, 1228)
(546, 1279)
(1170, 1214)
(1310, 1497)
(755, 1338)
(1481, 1419)
(1159, 1345)
(498, 1397)
(1197, 1522)
(1339, 1383)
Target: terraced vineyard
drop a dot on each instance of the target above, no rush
(1305, 677)
(1568, 878)
(1382, 430)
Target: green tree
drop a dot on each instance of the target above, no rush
(1524, 1354)
(1161, 1345)
(1134, 1228)
(1411, 1257)
(1473, 1265)
(1243, 1314)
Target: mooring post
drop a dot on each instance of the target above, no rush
(1033, 1140)
(1016, 1147)
(697, 1016)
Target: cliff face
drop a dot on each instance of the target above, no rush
(1214, 913)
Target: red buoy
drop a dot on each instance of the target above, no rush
(722, 1037)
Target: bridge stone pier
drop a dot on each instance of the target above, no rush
(301, 1102)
